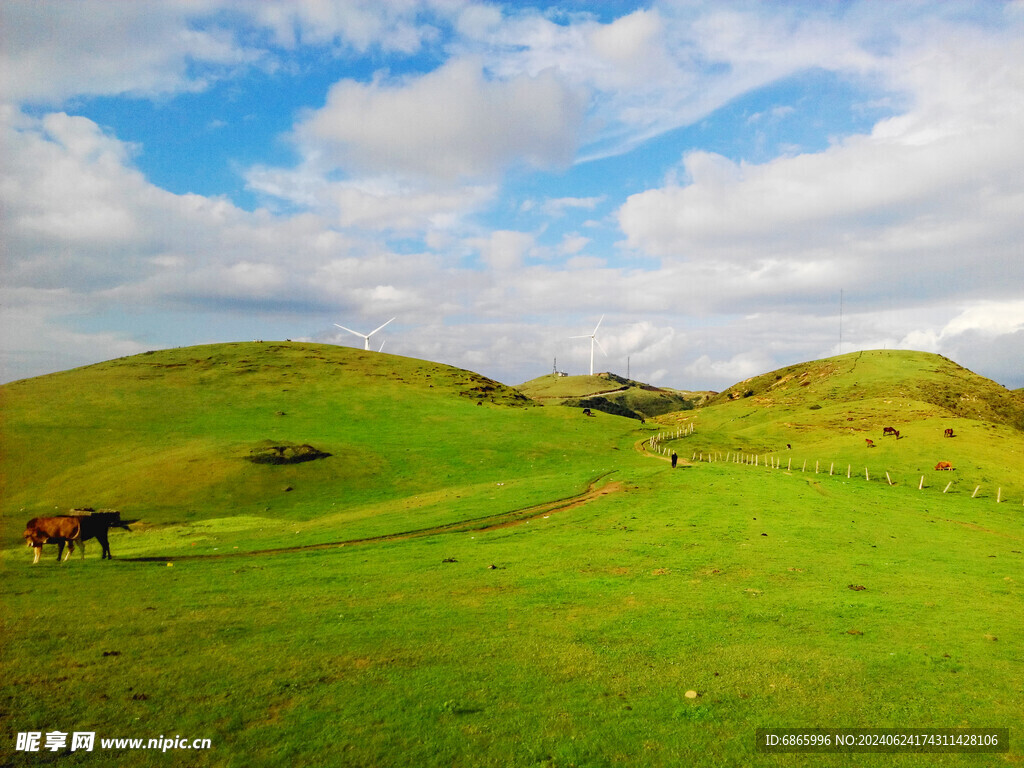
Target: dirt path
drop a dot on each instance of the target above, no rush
(595, 490)
(640, 447)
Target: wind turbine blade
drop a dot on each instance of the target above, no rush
(382, 345)
(600, 347)
(586, 336)
(377, 329)
(598, 323)
(357, 333)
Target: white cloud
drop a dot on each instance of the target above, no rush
(53, 49)
(992, 318)
(503, 250)
(573, 243)
(557, 207)
(927, 205)
(359, 24)
(79, 218)
(737, 368)
(381, 204)
(452, 123)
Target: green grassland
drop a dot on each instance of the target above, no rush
(563, 636)
(165, 438)
(825, 412)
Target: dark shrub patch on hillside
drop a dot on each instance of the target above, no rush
(268, 452)
(605, 405)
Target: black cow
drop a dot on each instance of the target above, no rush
(97, 525)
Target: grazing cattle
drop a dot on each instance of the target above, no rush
(52, 530)
(949, 433)
(870, 442)
(98, 525)
(890, 431)
(69, 529)
(586, 412)
(944, 465)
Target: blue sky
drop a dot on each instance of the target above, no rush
(708, 176)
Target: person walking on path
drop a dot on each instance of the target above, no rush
(675, 458)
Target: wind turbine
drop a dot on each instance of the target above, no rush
(593, 341)
(365, 336)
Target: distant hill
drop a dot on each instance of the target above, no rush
(609, 393)
(919, 376)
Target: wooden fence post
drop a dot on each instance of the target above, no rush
(947, 486)
(866, 475)
(975, 492)
(999, 496)
(789, 466)
(920, 486)
(888, 479)
(830, 468)
(848, 466)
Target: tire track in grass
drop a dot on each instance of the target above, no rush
(595, 490)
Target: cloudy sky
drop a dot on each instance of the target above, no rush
(717, 179)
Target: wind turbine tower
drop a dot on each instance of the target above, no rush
(593, 341)
(365, 336)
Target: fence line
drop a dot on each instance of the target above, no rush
(772, 461)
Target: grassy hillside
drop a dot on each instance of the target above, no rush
(657, 623)
(919, 376)
(608, 393)
(823, 412)
(169, 437)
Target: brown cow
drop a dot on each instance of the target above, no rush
(944, 465)
(891, 431)
(870, 442)
(52, 530)
(949, 433)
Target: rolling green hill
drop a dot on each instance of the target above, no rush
(207, 432)
(920, 376)
(265, 602)
(823, 412)
(608, 393)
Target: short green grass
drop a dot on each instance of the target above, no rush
(575, 649)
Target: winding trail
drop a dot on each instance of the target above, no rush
(595, 490)
(642, 447)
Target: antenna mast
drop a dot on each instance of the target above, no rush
(840, 321)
